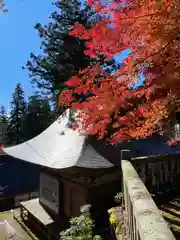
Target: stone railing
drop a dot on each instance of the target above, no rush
(144, 220)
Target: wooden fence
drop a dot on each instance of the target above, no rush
(160, 174)
(143, 217)
(11, 202)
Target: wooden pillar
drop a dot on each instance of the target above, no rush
(21, 212)
(49, 232)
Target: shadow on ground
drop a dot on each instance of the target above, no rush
(170, 209)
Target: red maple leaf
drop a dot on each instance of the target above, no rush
(113, 108)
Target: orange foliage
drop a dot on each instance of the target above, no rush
(151, 29)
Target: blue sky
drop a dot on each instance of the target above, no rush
(18, 39)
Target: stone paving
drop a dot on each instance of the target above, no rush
(10, 228)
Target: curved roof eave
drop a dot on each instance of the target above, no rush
(59, 147)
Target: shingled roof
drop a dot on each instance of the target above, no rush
(59, 147)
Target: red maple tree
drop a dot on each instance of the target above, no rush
(111, 105)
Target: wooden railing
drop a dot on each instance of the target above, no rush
(143, 217)
(160, 174)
